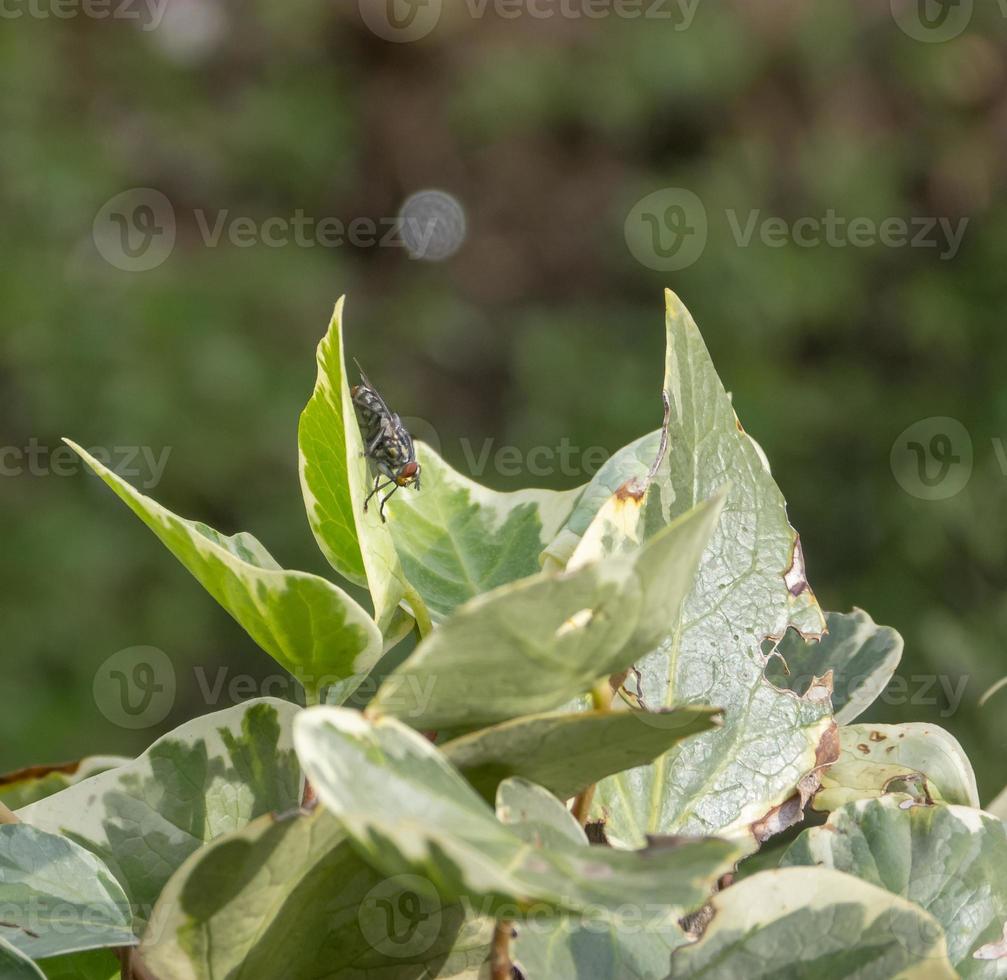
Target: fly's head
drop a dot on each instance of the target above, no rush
(409, 475)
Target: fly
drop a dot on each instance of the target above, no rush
(387, 443)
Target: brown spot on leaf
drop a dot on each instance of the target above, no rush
(828, 748)
(20, 928)
(795, 577)
(877, 737)
(694, 924)
(633, 489)
(863, 747)
(791, 810)
(820, 688)
(38, 772)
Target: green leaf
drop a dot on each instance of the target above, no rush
(207, 777)
(15, 965)
(595, 949)
(949, 860)
(410, 812)
(25, 786)
(94, 964)
(590, 946)
(335, 481)
(814, 923)
(873, 759)
(56, 897)
(288, 897)
(457, 539)
(307, 624)
(861, 655)
(631, 463)
(533, 645)
(566, 752)
(750, 588)
(535, 815)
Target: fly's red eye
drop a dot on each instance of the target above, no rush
(409, 470)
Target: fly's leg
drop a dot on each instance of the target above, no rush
(384, 500)
(377, 489)
(368, 452)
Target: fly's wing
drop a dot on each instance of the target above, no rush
(370, 387)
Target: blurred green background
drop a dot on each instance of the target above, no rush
(543, 326)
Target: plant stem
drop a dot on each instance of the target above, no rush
(601, 696)
(312, 697)
(500, 962)
(601, 700)
(420, 612)
(132, 967)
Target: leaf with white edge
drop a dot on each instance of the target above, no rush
(335, 481)
(207, 777)
(56, 897)
(877, 759)
(535, 815)
(998, 806)
(307, 624)
(861, 655)
(630, 463)
(814, 923)
(289, 897)
(749, 777)
(25, 786)
(15, 965)
(457, 539)
(534, 644)
(568, 751)
(949, 860)
(410, 812)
